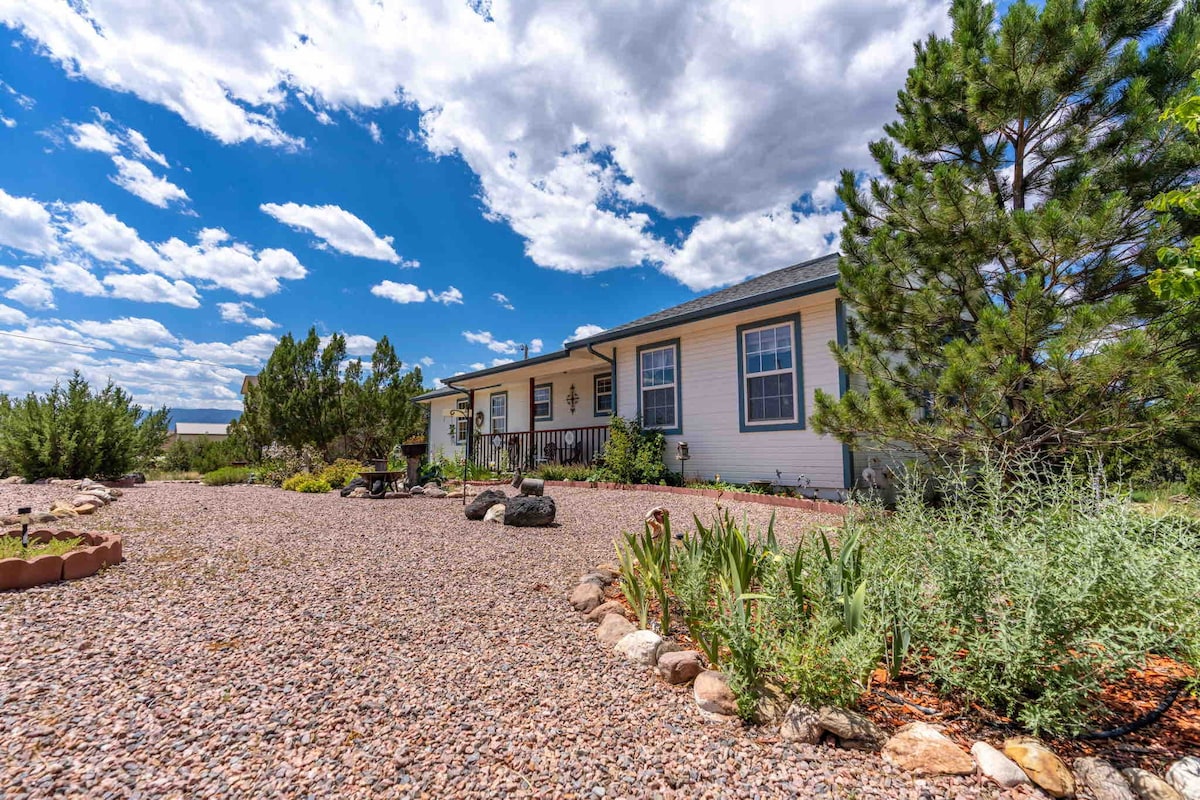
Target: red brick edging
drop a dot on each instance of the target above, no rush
(99, 550)
(821, 506)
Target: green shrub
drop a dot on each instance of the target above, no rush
(74, 432)
(565, 472)
(306, 482)
(633, 454)
(1028, 595)
(226, 476)
(341, 472)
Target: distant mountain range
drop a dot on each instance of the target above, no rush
(221, 415)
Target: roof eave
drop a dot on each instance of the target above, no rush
(799, 290)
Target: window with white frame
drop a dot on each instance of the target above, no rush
(658, 383)
(602, 395)
(462, 424)
(499, 403)
(543, 402)
(769, 374)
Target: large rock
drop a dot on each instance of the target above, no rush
(135, 477)
(586, 596)
(1046, 770)
(800, 724)
(924, 750)
(640, 647)
(495, 514)
(81, 498)
(355, 483)
(1102, 780)
(853, 731)
(13, 479)
(1148, 786)
(482, 502)
(85, 508)
(997, 766)
(529, 512)
(713, 695)
(1184, 775)
(433, 490)
(614, 628)
(679, 666)
(601, 611)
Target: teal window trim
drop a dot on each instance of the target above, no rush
(462, 427)
(678, 382)
(549, 387)
(844, 386)
(797, 375)
(612, 395)
(492, 415)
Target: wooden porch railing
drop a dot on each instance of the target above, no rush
(505, 452)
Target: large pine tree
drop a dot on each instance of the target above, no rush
(996, 268)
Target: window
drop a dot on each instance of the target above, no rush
(770, 387)
(543, 402)
(499, 403)
(462, 426)
(602, 395)
(658, 386)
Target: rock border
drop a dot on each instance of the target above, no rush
(919, 748)
(99, 550)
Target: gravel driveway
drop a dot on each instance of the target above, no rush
(258, 643)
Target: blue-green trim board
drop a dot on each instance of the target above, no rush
(843, 387)
(797, 368)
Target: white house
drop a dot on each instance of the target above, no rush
(732, 374)
(198, 431)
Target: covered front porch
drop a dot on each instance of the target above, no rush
(528, 450)
(551, 409)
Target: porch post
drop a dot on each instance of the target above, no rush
(531, 414)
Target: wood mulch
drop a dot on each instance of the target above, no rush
(1154, 747)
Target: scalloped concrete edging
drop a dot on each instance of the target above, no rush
(821, 506)
(101, 550)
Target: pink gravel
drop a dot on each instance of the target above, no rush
(258, 643)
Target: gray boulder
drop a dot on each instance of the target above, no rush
(529, 512)
(482, 502)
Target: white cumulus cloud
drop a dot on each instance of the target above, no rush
(399, 292)
(584, 122)
(136, 178)
(503, 301)
(336, 228)
(25, 224)
(505, 346)
(584, 331)
(148, 288)
(241, 313)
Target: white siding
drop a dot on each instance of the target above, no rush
(709, 373)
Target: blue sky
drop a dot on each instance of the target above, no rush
(187, 182)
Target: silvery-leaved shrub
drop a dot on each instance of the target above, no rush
(1030, 591)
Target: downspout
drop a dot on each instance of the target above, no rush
(612, 362)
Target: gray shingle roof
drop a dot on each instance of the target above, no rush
(798, 279)
(819, 273)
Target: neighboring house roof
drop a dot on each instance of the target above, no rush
(804, 278)
(201, 429)
(248, 381)
(782, 284)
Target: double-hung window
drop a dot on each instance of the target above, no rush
(770, 383)
(462, 425)
(602, 395)
(543, 402)
(658, 386)
(499, 404)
